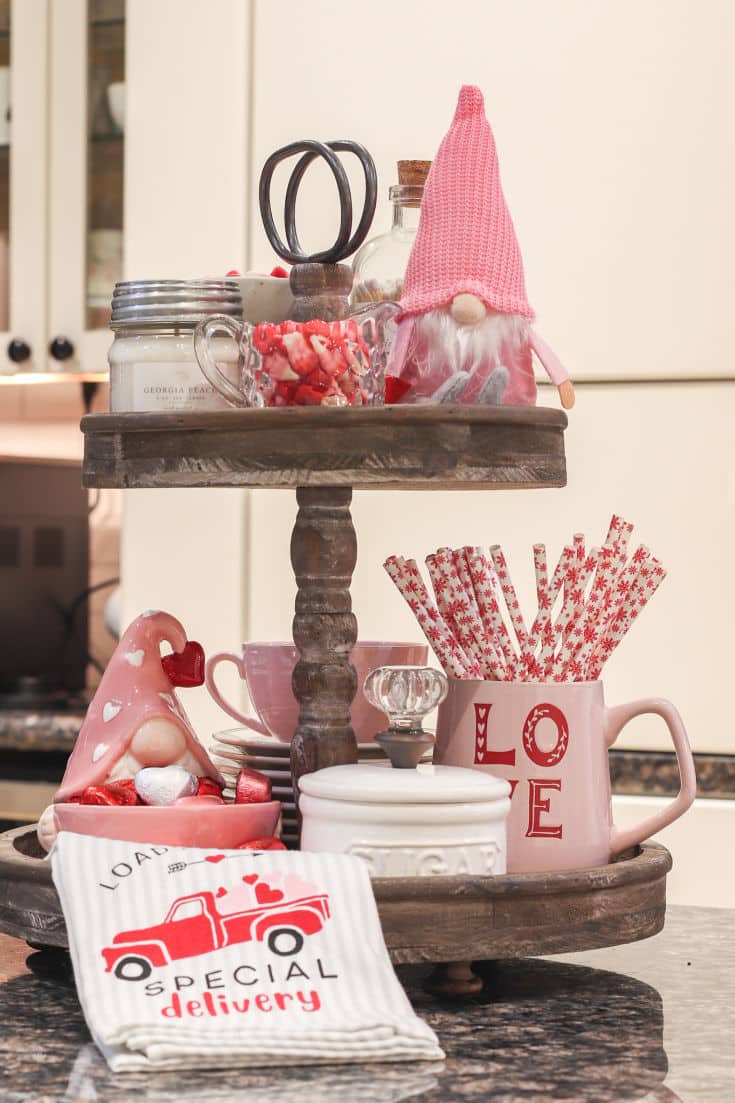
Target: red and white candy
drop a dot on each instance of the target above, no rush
(312, 363)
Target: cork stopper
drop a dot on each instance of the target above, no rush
(413, 172)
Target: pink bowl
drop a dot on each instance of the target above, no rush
(220, 825)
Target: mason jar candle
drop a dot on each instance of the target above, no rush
(152, 361)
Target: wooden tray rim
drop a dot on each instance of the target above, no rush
(317, 417)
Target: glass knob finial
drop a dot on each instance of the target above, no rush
(405, 694)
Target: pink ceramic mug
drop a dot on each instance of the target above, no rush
(267, 667)
(550, 741)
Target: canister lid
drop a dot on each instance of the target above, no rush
(378, 783)
(173, 303)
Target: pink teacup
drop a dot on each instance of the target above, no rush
(550, 741)
(267, 668)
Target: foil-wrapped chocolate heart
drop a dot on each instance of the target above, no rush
(164, 784)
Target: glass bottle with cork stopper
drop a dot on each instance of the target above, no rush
(380, 264)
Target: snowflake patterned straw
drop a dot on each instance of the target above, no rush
(603, 592)
(483, 578)
(571, 616)
(417, 597)
(650, 576)
(456, 608)
(491, 643)
(541, 628)
(598, 606)
(509, 593)
(532, 667)
(548, 630)
(449, 635)
(493, 658)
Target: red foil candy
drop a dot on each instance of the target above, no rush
(267, 842)
(117, 793)
(252, 787)
(208, 787)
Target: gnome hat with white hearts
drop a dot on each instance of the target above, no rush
(134, 688)
(465, 243)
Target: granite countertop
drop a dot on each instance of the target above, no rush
(653, 1021)
(39, 730)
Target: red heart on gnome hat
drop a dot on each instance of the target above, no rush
(185, 668)
(215, 858)
(264, 894)
(250, 879)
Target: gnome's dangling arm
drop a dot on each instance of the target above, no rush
(554, 368)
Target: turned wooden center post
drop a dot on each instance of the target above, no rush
(323, 555)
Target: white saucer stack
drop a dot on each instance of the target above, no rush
(238, 747)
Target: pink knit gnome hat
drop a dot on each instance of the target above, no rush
(134, 688)
(465, 242)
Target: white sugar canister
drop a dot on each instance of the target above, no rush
(408, 822)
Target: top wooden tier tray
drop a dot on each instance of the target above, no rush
(396, 447)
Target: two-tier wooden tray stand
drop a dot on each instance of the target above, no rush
(323, 454)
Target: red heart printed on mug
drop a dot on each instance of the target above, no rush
(185, 668)
(250, 878)
(215, 858)
(264, 894)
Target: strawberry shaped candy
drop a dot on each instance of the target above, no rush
(312, 363)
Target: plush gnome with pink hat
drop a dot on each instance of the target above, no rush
(464, 332)
(136, 745)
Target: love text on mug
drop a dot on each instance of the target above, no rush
(540, 816)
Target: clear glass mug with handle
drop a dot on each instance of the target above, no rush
(313, 363)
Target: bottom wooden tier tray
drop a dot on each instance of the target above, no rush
(425, 919)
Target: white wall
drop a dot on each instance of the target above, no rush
(700, 843)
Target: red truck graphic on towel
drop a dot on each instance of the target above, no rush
(194, 925)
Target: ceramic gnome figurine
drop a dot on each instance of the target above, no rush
(136, 744)
(464, 332)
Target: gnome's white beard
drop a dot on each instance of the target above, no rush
(461, 348)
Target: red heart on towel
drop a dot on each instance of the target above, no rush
(250, 879)
(221, 892)
(215, 858)
(185, 668)
(264, 894)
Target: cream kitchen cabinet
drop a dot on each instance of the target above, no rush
(612, 134)
(23, 166)
(62, 150)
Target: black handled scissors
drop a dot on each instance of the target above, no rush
(344, 244)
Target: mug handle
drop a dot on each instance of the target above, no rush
(616, 720)
(212, 663)
(202, 336)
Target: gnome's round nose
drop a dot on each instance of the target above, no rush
(158, 742)
(468, 310)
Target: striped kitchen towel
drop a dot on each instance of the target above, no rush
(185, 958)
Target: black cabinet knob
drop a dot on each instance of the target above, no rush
(18, 350)
(61, 348)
